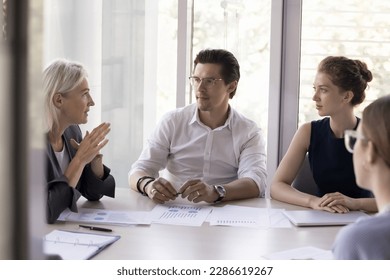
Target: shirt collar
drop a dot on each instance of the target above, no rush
(195, 116)
(228, 123)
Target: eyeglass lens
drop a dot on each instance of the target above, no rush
(207, 82)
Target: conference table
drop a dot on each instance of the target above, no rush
(171, 242)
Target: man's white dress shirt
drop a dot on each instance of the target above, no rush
(187, 149)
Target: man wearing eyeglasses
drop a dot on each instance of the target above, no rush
(209, 152)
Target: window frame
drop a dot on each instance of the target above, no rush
(286, 19)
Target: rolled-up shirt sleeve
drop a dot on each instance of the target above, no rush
(253, 160)
(154, 156)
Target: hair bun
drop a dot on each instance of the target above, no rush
(366, 74)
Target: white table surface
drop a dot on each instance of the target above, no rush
(170, 242)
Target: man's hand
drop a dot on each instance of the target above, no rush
(196, 190)
(160, 190)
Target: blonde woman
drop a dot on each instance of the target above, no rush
(74, 164)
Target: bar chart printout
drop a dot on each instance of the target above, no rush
(188, 215)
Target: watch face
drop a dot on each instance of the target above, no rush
(221, 190)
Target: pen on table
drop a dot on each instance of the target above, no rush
(96, 228)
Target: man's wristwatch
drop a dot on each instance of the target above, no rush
(221, 192)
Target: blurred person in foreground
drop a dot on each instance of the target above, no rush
(369, 238)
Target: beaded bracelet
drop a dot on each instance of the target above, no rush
(140, 181)
(147, 183)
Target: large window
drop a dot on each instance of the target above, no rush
(353, 28)
(133, 51)
(130, 49)
(243, 27)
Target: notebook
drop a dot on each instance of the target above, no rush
(70, 245)
(304, 218)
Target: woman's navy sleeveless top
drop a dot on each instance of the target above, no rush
(330, 162)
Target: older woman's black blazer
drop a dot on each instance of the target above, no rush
(59, 194)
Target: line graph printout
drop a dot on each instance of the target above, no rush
(241, 216)
(188, 215)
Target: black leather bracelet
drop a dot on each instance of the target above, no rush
(147, 183)
(140, 181)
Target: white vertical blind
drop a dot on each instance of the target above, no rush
(73, 30)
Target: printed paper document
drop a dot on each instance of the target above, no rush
(71, 245)
(241, 216)
(180, 214)
(102, 216)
